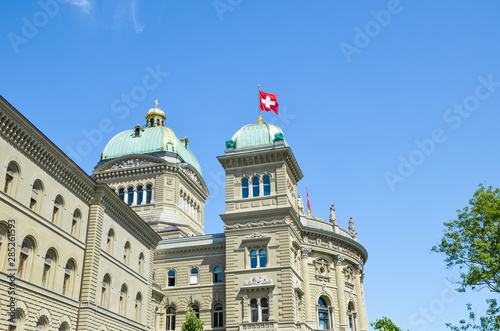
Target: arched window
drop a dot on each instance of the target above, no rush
(27, 248)
(218, 316)
(105, 289)
(74, 223)
(323, 315)
(10, 178)
(141, 264)
(149, 193)
(171, 278)
(64, 326)
(49, 264)
(110, 240)
(137, 132)
(170, 320)
(137, 307)
(18, 322)
(126, 253)
(196, 310)
(218, 275)
(352, 316)
(158, 122)
(139, 195)
(151, 122)
(3, 243)
(130, 196)
(258, 259)
(244, 188)
(56, 211)
(255, 186)
(254, 310)
(267, 185)
(36, 195)
(194, 277)
(69, 270)
(42, 324)
(123, 300)
(121, 194)
(264, 306)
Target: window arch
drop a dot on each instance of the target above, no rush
(171, 278)
(218, 316)
(255, 186)
(130, 196)
(193, 279)
(218, 275)
(266, 185)
(57, 209)
(244, 188)
(126, 253)
(36, 195)
(149, 193)
(138, 306)
(105, 289)
(141, 263)
(18, 322)
(69, 272)
(42, 324)
(121, 194)
(64, 326)
(170, 318)
(11, 177)
(77, 216)
(259, 310)
(110, 240)
(151, 122)
(140, 194)
(49, 266)
(123, 300)
(25, 258)
(323, 314)
(258, 258)
(351, 315)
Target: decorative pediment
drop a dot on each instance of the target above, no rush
(258, 281)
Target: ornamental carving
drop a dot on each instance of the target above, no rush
(306, 252)
(257, 235)
(191, 174)
(130, 164)
(337, 260)
(322, 267)
(253, 225)
(349, 277)
(258, 280)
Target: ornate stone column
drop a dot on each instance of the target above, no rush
(307, 288)
(359, 294)
(340, 291)
(246, 309)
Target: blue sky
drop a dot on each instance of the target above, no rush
(390, 107)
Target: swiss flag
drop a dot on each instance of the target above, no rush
(268, 102)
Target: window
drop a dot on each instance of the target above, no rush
(137, 307)
(68, 273)
(194, 277)
(42, 324)
(64, 326)
(10, 176)
(171, 278)
(130, 196)
(110, 241)
(259, 314)
(258, 258)
(352, 316)
(264, 305)
(56, 211)
(126, 253)
(139, 195)
(106, 288)
(267, 185)
(218, 316)
(123, 300)
(196, 310)
(170, 320)
(75, 221)
(151, 122)
(255, 186)
(121, 194)
(244, 188)
(323, 319)
(141, 264)
(149, 193)
(47, 267)
(36, 195)
(254, 310)
(137, 132)
(26, 248)
(156, 318)
(218, 275)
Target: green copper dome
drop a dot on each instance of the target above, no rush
(255, 135)
(147, 140)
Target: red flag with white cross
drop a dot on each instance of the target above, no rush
(268, 102)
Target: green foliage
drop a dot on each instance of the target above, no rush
(472, 242)
(193, 323)
(385, 324)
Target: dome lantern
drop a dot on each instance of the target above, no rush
(155, 116)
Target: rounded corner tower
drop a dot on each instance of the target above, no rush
(157, 175)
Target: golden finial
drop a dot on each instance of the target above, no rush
(260, 119)
(258, 86)
(156, 103)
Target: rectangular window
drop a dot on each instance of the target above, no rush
(8, 181)
(32, 204)
(66, 284)
(73, 227)
(45, 275)
(22, 265)
(54, 214)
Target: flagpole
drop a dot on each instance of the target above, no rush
(259, 119)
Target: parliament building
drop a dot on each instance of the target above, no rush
(125, 248)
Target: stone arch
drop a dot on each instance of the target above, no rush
(44, 314)
(64, 319)
(103, 328)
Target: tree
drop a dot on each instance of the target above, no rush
(385, 324)
(193, 323)
(472, 242)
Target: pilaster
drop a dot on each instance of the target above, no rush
(307, 287)
(340, 292)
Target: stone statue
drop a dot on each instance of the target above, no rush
(351, 228)
(333, 218)
(300, 203)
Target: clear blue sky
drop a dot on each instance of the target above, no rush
(358, 84)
